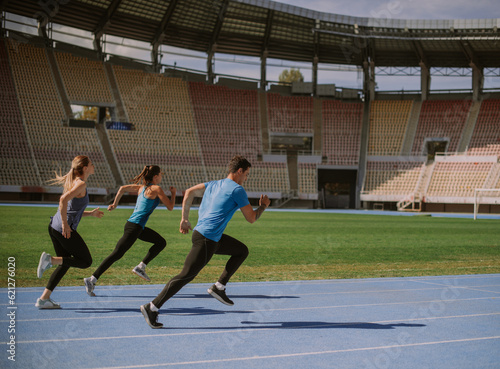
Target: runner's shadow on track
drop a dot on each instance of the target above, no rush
(236, 297)
(201, 296)
(303, 325)
(323, 325)
(174, 311)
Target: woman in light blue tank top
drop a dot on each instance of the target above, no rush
(69, 246)
(149, 196)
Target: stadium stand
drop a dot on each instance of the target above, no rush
(227, 121)
(268, 177)
(84, 79)
(441, 119)
(191, 129)
(165, 132)
(341, 131)
(308, 179)
(388, 121)
(290, 114)
(54, 146)
(16, 163)
(392, 178)
(458, 179)
(486, 136)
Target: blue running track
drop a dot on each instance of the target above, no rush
(414, 322)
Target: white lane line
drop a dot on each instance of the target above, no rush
(284, 283)
(108, 299)
(258, 329)
(97, 308)
(302, 354)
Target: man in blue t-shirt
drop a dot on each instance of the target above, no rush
(220, 201)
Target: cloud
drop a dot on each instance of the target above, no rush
(405, 9)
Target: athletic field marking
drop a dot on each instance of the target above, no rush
(284, 283)
(283, 309)
(302, 354)
(297, 308)
(190, 314)
(472, 288)
(258, 329)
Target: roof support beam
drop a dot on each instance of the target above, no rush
(425, 70)
(315, 65)
(369, 72)
(265, 52)
(477, 70)
(263, 70)
(3, 6)
(471, 55)
(104, 24)
(160, 35)
(425, 81)
(161, 31)
(212, 47)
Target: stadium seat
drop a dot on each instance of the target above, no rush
(485, 139)
(341, 123)
(442, 119)
(388, 122)
(290, 114)
(54, 146)
(84, 79)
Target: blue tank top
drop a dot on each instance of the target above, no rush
(143, 208)
(76, 207)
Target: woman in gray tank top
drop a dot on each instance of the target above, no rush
(69, 246)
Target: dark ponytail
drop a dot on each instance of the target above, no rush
(147, 174)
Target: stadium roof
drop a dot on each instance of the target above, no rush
(261, 27)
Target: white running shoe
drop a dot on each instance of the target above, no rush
(47, 304)
(89, 286)
(43, 264)
(141, 273)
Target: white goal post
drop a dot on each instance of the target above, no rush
(485, 196)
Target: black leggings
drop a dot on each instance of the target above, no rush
(201, 252)
(74, 253)
(132, 232)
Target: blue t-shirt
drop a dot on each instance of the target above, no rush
(143, 208)
(221, 200)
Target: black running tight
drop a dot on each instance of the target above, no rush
(201, 252)
(74, 252)
(132, 232)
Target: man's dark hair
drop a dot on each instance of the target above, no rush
(238, 162)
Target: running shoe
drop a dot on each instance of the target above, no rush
(141, 273)
(220, 295)
(47, 304)
(89, 286)
(150, 316)
(44, 264)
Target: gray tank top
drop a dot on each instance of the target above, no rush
(76, 207)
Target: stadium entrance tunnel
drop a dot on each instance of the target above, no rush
(337, 188)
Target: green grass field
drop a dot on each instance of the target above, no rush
(283, 246)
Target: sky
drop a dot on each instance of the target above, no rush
(405, 9)
(392, 9)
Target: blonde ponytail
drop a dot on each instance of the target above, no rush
(69, 178)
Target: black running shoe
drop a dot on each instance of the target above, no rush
(150, 316)
(220, 295)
